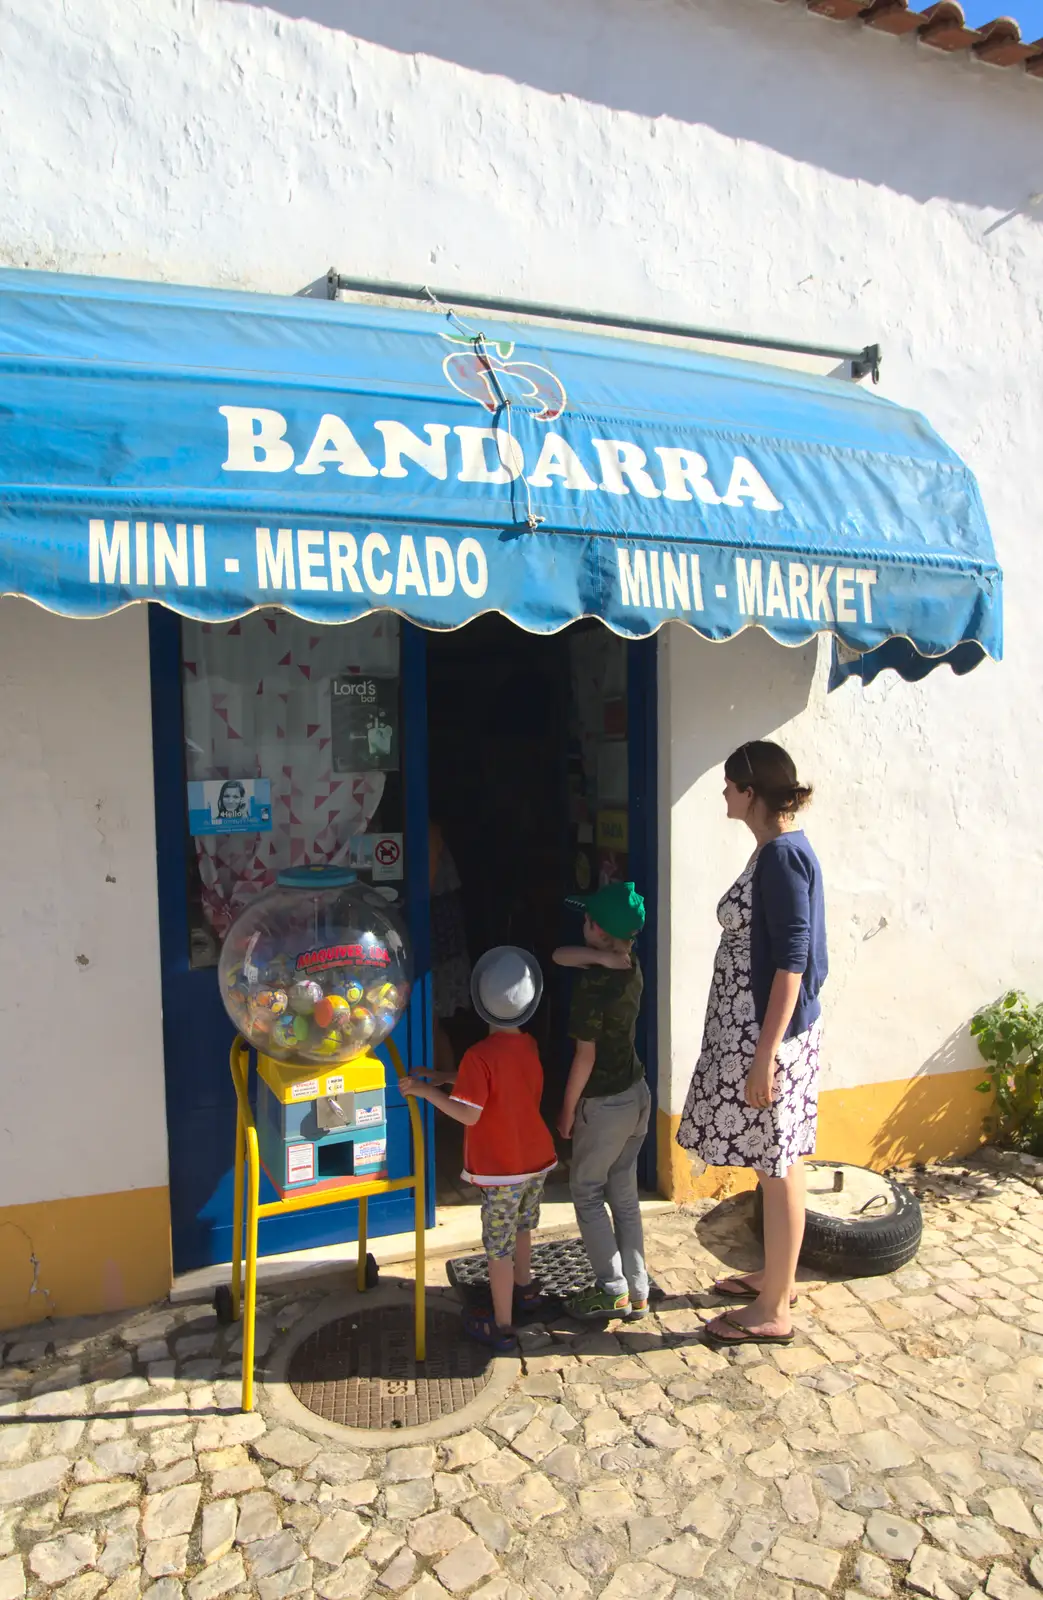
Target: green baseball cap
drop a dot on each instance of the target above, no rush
(617, 908)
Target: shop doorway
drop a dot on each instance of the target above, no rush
(541, 769)
(538, 788)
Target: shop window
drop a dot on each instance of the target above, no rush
(292, 756)
(599, 796)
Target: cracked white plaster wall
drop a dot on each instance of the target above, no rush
(734, 162)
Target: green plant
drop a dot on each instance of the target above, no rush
(1010, 1038)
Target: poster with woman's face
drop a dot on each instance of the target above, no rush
(230, 805)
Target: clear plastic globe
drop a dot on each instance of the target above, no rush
(316, 970)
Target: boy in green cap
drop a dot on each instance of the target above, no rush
(607, 1102)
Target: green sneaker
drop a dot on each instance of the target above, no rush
(597, 1304)
(638, 1307)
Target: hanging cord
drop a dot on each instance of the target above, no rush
(478, 342)
(452, 316)
(531, 518)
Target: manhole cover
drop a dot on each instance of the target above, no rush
(361, 1370)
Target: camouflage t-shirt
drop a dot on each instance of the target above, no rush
(605, 1005)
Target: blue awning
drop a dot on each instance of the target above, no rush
(217, 452)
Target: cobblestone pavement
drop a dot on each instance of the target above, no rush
(895, 1449)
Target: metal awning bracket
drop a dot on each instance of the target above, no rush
(867, 365)
(864, 363)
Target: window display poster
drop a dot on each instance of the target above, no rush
(230, 805)
(613, 772)
(379, 854)
(612, 831)
(364, 723)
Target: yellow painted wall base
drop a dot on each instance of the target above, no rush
(876, 1125)
(100, 1252)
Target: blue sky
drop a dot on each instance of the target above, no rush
(1028, 13)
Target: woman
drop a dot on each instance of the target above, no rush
(754, 1097)
(231, 801)
(450, 963)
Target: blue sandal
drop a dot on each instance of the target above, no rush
(529, 1298)
(482, 1327)
(529, 1301)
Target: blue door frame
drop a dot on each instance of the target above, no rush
(197, 1034)
(643, 755)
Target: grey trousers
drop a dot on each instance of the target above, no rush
(607, 1136)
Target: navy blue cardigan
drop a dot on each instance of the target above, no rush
(788, 927)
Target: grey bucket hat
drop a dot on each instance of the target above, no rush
(506, 986)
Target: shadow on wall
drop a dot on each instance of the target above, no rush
(719, 695)
(775, 76)
(745, 688)
(940, 1113)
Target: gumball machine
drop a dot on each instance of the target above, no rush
(315, 974)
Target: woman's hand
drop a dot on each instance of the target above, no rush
(760, 1081)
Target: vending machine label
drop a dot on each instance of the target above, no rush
(300, 1163)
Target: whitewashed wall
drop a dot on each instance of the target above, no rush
(729, 161)
(81, 1081)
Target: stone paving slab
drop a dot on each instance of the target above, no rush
(895, 1450)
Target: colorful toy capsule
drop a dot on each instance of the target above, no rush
(331, 1044)
(273, 1001)
(301, 1028)
(259, 1020)
(283, 1036)
(382, 994)
(363, 1023)
(327, 1008)
(353, 992)
(305, 996)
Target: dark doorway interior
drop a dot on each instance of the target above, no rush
(498, 730)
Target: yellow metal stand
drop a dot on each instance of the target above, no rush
(248, 1172)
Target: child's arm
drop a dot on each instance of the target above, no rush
(456, 1109)
(579, 1076)
(581, 955)
(432, 1075)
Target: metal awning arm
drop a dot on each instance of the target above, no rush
(865, 363)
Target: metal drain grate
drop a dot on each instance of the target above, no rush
(361, 1371)
(559, 1265)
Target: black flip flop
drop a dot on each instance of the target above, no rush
(748, 1336)
(746, 1293)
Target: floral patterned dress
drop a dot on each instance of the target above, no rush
(717, 1124)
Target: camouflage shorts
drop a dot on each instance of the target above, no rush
(508, 1210)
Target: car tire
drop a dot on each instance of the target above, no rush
(859, 1245)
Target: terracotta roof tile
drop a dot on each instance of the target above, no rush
(943, 27)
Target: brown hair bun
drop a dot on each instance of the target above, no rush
(769, 771)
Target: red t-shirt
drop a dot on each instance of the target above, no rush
(510, 1142)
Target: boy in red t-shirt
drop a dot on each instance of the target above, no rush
(508, 1148)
